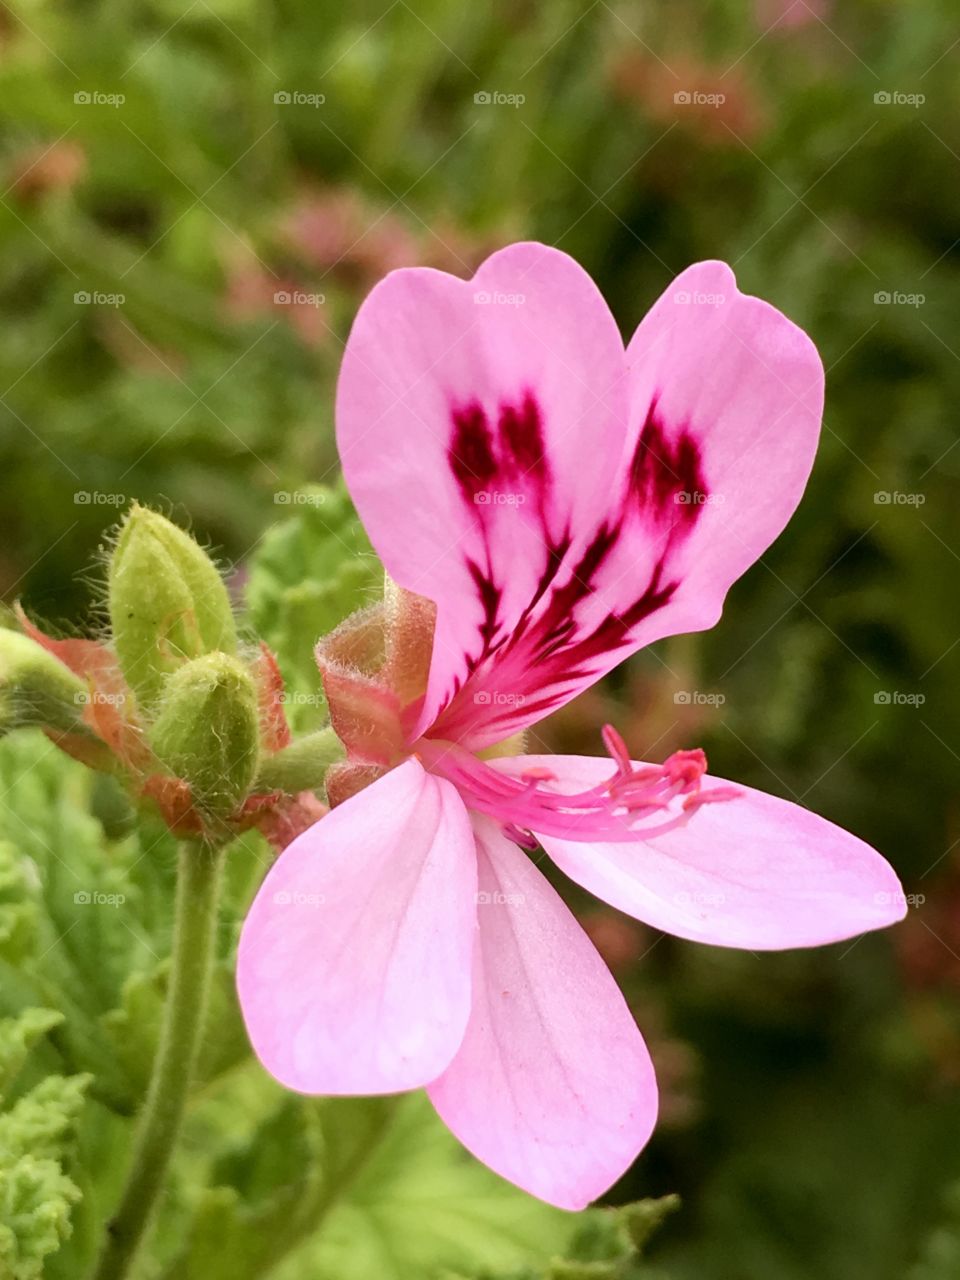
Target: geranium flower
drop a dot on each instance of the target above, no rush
(562, 503)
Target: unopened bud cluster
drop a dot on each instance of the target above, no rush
(172, 701)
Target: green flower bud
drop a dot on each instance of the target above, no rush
(167, 600)
(36, 688)
(207, 731)
(302, 765)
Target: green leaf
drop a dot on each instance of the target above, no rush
(607, 1244)
(36, 1196)
(18, 1036)
(371, 1188)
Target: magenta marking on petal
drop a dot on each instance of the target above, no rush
(522, 443)
(470, 454)
(667, 478)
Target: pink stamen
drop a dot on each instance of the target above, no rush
(617, 748)
(623, 807)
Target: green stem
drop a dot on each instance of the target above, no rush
(198, 882)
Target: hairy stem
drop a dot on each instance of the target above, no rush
(198, 882)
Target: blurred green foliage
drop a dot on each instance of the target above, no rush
(811, 1119)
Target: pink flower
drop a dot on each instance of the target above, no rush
(563, 503)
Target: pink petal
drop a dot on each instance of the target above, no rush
(753, 871)
(726, 397)
(552, 1087)
(480, 422)
(354, 961)
(616, 512)
(725, 402)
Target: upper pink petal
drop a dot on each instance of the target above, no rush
(354, 968)
(751, 871)
(726, 396)
(552, 1087)
(479, 423)
(562, 502)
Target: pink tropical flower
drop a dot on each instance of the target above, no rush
(562, 502)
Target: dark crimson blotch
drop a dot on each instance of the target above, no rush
(666, 477)
(470, 455)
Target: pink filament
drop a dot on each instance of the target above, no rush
(618, 809)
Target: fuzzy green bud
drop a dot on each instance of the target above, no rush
(167, 601)
(207, 731)
(36, 688)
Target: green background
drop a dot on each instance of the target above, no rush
(810, 1118)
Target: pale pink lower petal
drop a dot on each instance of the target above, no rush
(354, 968)
(752, 871)
(552, 1087)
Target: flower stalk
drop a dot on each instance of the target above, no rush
(192, 959)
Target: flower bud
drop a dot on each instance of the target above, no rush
(36, 688)
(207, 731)
(167, 600)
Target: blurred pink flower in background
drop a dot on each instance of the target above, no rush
(790, 14)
